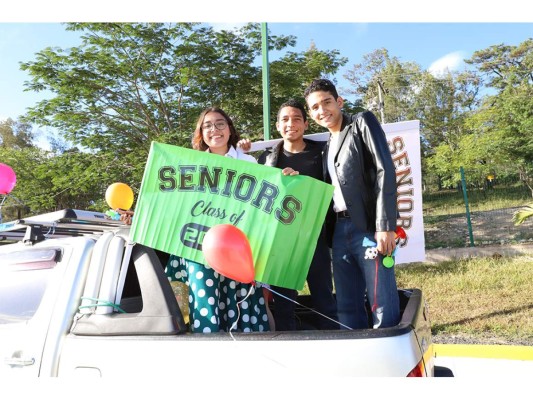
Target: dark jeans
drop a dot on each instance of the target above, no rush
(355, 276)
(320, 282)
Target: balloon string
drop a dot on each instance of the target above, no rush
(375, 305)
(308, 308)
(234, 325)
(51, 231)
(1, 204)
(10, 196)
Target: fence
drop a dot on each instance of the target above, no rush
(474, 213)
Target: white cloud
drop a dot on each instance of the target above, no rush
(449, 63)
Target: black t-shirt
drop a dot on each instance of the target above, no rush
(308, 162)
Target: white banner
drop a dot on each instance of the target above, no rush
(404, 143)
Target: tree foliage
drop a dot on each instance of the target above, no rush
(48, 181)
(459, 126)
(507, 116)
(398, 83)
(127, 85)
(440, 103)
(15, 134)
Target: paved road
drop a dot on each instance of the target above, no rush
(484, 361)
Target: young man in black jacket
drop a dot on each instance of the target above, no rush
(358, 163)
(304, 156)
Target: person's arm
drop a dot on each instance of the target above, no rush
(386, 242)
(125, 216)
(386, 210)
(245, 145)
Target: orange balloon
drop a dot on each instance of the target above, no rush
(227, 251)
(119, 195)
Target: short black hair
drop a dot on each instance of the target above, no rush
(323, 85)
(295, 104)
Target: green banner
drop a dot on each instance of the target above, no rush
(185, 192)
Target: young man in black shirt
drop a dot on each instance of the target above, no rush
(304, 156)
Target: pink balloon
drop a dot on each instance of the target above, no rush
(8, 179)
(227, 251)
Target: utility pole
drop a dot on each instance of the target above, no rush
(266, 82)
(381, 103)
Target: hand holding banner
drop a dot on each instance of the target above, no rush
(186, 192)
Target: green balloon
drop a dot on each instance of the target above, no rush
(388, 261)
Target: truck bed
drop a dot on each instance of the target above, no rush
(99, 305)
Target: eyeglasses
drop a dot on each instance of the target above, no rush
(219, 125)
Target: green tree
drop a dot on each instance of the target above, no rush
(490, 135)
(382, 75)
(440, 103)
(17, 151)
(290, 75)
(47, 181)
(24, 162)
(507, 116)
(15, 134)
(127, 85)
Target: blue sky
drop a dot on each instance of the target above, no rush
(432, 45)
(432, 39)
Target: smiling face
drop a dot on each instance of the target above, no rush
(325, 110)
(216, 132)
(291, 124)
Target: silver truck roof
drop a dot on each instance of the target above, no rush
(67, 222)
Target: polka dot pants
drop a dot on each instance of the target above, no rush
(217, 303)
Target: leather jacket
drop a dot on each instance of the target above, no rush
(270, 156)
(366, 174)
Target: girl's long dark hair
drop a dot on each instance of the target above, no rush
(197, 137)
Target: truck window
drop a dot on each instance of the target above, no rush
(132, 301)
(24, 276)
(131, 295)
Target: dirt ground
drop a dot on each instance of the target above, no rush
(488, 228)
(444, 254)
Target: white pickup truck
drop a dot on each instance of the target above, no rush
(79, 299)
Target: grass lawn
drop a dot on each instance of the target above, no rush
(484, 298)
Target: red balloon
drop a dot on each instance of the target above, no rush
(8, 179)
(227, 251)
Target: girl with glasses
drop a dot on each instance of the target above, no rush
(213, 298)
